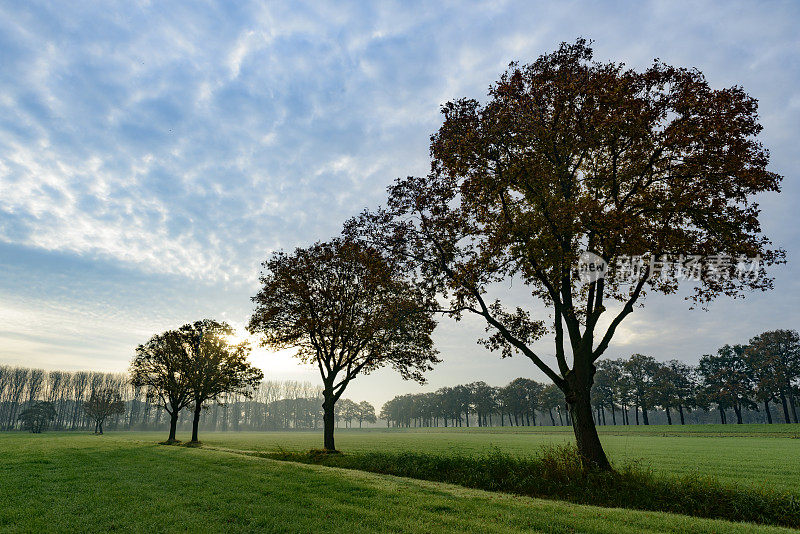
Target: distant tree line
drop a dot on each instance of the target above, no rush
(746, 383)
(274, 405)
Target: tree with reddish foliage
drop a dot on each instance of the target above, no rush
(347, 310)
(570, 155)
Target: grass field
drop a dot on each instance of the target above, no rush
(751, 455)
(85, 483)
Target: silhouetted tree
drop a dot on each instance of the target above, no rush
(569, 155)
(774, 360)
(726, 381)
(673, 387)
(365, 412)
(214, 367)
(347, 310)
(37, 416)
(159, 367)
(101, 404)
(641, 370)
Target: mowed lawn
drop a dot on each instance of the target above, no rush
(751, 455)
(85, 483)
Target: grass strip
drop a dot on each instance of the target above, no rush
(556, 472)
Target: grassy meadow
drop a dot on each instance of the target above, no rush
(127, 481)
(753, 455)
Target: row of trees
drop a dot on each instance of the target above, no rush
(516, 404)
(738, 378)
(273, 405)
(566, 156)
(747, 381)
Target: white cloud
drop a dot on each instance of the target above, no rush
(186, 141)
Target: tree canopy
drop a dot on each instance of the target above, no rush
(347, 310)
(37, 416)
(103, 403)
(159, 367)
(215, 366)
(569, 155)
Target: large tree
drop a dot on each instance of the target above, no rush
(102, 403)
(347, 310)
(159, 367)
(215, 366)
(570, 155)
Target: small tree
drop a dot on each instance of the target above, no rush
(641, 369)
(215, 367)
(727, 381)
(37, 416)
(102, 404)
(366, 412)
(160, 368)
(346, 310)
(774, 360)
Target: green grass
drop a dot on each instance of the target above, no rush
(557, 473)
(756, 456)
(85, 483)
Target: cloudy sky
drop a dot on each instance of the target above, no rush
(152, 154)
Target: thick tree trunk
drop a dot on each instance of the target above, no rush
(100, 427)
(766, 411)
(794, 408)
(645, 419)
(328, 422)
(722, 415)
(737, 409)
(173, 425)
(586, 437)
(196, 421)
(669, 417)
(680, 411)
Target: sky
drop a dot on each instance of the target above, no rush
(153, 154)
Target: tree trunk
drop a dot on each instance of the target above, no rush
(173, 424)
(792, 404)
(669, 417)
(644, 416)
(196, 420)
(552, 419)
(766, 411)
(721, 414)
(586, 437)
(613, 414)
(785, 409)
(680, 411)
(737, 409)
(100, 427)
(328, 422)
